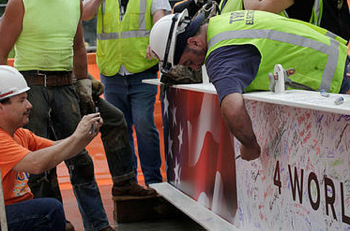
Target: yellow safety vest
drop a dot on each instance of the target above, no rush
(123, 42)
(318, 60)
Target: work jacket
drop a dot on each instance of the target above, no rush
(123, 42)
(318, 60)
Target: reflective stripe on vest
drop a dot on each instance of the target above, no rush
(331, 50)
(127, 34)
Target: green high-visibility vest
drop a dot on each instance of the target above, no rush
(318, 60)
(47, 36)
(123, 42)
(226, 6)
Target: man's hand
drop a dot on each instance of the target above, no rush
(84, 90)
(97, 87)
(150, 54)
(49, 157)
(239, 124)
(251, 152)
(88, 127)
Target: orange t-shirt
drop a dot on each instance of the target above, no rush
(12, 150)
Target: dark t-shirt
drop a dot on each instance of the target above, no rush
(232, 68)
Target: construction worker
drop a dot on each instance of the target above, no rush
(49, 50)
(241, 48)
(23, 153)
(122, 39)
(329, 14)
(181, 74)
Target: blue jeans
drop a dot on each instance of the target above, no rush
(44, 214)
(136, 100)
(55, 114)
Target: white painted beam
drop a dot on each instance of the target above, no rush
(193, 209)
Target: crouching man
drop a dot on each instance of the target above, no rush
(22, 153)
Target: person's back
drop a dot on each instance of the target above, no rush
(278, 40)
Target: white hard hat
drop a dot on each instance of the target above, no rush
(168, 37)
(163, 37)
(11, 82)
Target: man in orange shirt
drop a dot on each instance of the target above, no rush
(23, 153)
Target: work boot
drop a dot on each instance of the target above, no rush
(132, 189)
(109, 228)
(69, 226)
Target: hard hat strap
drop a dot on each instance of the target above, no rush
(167, 66)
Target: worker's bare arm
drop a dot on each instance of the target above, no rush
(156, 16)
(90, 9)
(80, 65)
(274, 6)
(239, 124)
(47, 158)
(10, 28)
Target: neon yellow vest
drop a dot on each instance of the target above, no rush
(318, 60)
(123, 42)
(233, 5)
(46, 40)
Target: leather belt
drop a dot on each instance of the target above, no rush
(48, 78)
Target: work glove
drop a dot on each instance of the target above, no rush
(97, 87)
(84, 90)
(181, 75)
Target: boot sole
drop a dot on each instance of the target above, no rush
(130, 197)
